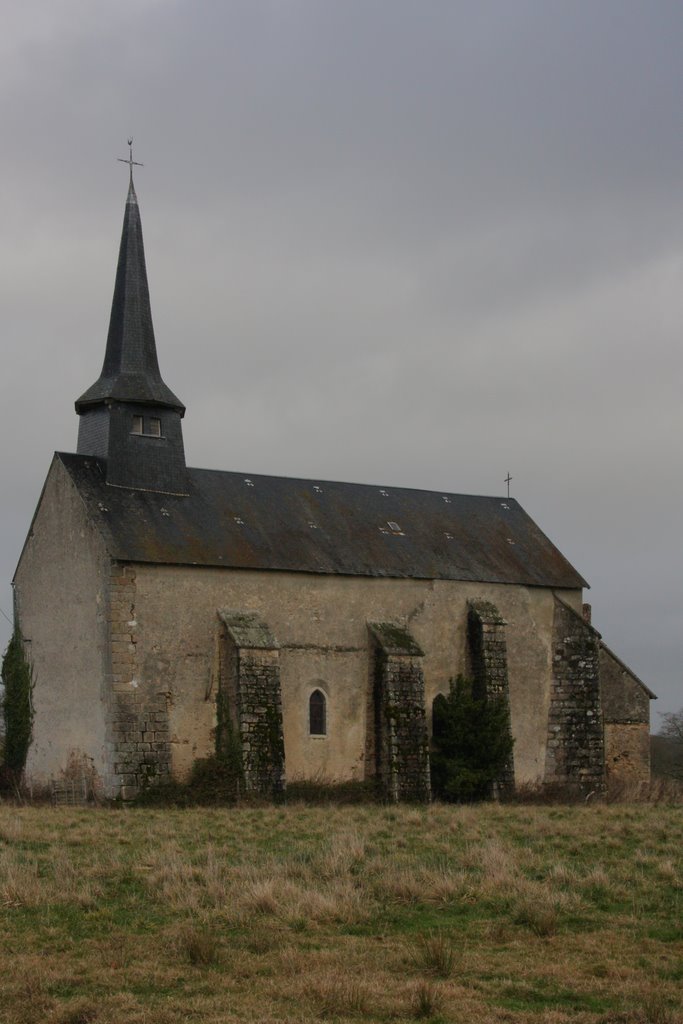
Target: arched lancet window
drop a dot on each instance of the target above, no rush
(317, 714)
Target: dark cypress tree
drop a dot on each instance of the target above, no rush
(472, 744)
(17, 677)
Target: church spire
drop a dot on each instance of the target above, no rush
(131, 369)
(129, 404)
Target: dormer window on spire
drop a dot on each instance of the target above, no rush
(146, 426)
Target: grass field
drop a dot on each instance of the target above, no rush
(292, 913)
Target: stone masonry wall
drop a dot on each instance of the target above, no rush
(627, 753)
(138, 747)
(626, 714)
(625, 699)
(575, 751)
(250, 682)
(402, 744)
(489, 665)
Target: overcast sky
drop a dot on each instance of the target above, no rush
(413, 243)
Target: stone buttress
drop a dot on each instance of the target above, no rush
(250, 701)
(489, 666)
(575, 755)
(137, 724)
(401, 738)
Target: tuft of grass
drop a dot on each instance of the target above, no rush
(660, 790)
(82, 1012)
(427, 1001)
(435, 954)
(340, 996)
(656, 1010)
(324, 792)
(538, 914)
(199, 946)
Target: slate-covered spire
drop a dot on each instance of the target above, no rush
(131, 369)
(129, 417)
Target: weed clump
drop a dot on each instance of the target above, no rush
(326, 792)
(427, 1001)
(538, 915)
(213, 782)
(199, 946)
(435, 954)
(341, 996)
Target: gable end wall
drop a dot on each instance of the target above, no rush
(61, 607)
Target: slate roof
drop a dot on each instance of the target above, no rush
(265, 522)
(131, 369)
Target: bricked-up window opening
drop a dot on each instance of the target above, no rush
(137, 425)
(317, 714)
(154, 426)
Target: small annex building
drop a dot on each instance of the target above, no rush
(160, 603)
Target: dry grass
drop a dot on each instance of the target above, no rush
(519, 913)
(435, 954)
(427, 1001)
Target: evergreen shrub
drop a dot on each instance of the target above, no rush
(471, 744)
(17, 705)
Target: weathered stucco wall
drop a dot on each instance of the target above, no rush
(61, 601)
(320, 623)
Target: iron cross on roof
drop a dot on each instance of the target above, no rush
(507, 480)
(131, 163)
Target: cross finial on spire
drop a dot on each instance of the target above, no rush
(507, 480)
(131, 163)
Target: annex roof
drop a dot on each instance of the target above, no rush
(266, 522)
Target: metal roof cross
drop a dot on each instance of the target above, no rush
(131, 163)
(507, 480)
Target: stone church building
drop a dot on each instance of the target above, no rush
(162, 606)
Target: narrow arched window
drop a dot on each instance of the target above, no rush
(439, 714)
(317, 714)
